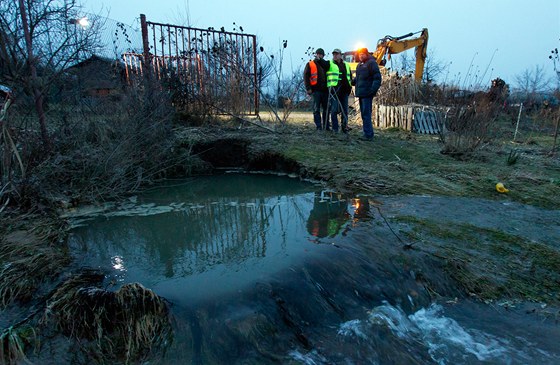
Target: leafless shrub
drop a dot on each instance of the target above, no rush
(469, 118)
(463, 131)
(107, 153)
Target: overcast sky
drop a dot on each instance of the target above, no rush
(506, 37)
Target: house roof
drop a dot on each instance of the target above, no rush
(95, 59)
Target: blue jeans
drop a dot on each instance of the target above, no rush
(320, 99)
(339, 105)
(365, 111)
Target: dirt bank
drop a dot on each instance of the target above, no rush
(395, 163)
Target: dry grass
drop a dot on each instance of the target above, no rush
(398, 90)
(29, 255)
(489, 263)
(13, 343)
(399, 162)
(29, 258)
(466, 127)
(125, 326)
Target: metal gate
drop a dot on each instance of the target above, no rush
(204, 70)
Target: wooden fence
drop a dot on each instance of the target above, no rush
(414, 118)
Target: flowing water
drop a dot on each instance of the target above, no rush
(264, 269)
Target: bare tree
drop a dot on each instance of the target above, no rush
(403, 64)
(270, 71)
(434, 67)
(39, 39)
(532, 81)
(530, 85)
(554, 56)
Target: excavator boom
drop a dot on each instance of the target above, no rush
(389, 45)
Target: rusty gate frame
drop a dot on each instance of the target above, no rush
(209, 68)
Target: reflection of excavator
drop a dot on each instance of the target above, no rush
(389, 45)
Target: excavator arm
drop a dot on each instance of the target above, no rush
(393, 45)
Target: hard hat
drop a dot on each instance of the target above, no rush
(501, 188)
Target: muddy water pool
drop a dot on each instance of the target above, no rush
(268, 269)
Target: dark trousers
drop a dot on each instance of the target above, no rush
(366, 105)
(339, 105)
(320, 100)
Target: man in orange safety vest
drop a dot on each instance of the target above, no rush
(315, 80)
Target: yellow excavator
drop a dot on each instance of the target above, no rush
(389, 45)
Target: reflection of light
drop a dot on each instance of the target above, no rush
(118, 263)
(356, 204)
(359, 45)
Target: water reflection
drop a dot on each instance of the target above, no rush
(361, 209)
(177, 233)
(233, 254)
(329, 214)
(118, 263)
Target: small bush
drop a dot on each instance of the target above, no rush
(512, 157)
(470, 119)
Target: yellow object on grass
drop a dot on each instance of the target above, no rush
(501, 188)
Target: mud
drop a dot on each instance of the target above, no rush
(537, 224)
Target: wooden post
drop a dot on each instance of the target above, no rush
(256, 85)
(145, 45)
(517, 125)
(555, 134)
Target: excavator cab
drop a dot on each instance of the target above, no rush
(349, 57)
(390, 45)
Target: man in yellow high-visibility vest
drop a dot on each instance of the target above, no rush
(339, 82)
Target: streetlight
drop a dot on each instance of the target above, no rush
(82, 22)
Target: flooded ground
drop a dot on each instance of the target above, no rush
(264, 269)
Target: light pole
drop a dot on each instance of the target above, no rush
(82, 22)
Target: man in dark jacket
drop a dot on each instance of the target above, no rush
(367, 81)
(315, 79)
